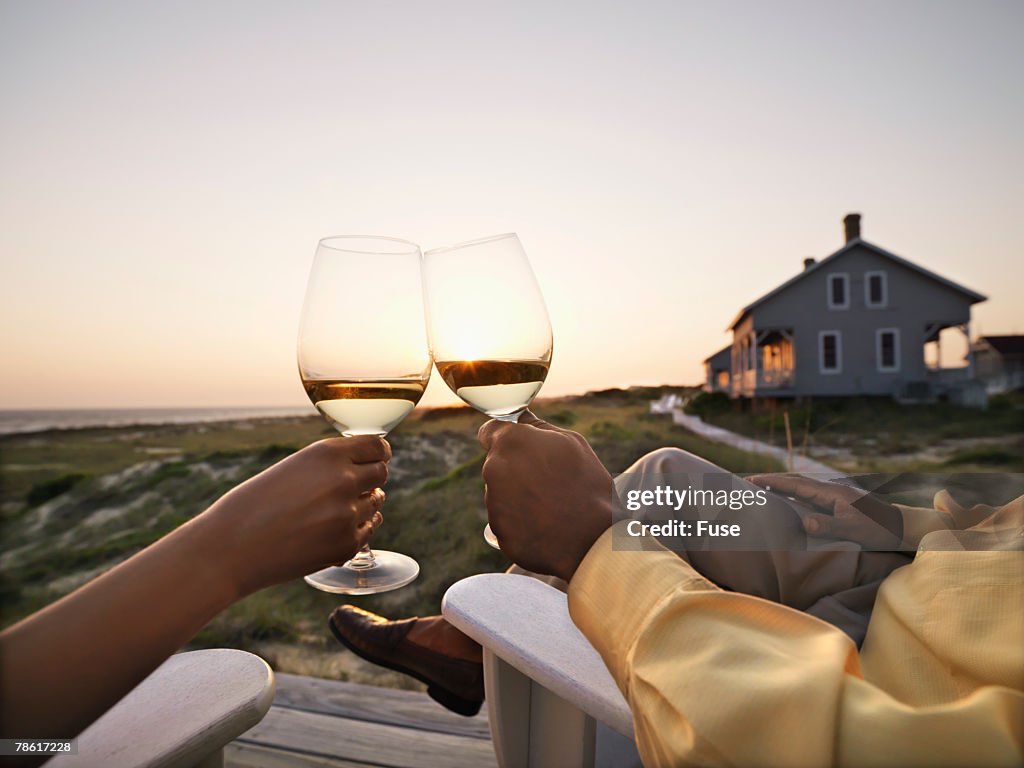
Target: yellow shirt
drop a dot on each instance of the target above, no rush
(721, 678)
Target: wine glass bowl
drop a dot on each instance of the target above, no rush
(500, 388)
(489, 330)
(364, 362)
(490, 334)
(371, 407)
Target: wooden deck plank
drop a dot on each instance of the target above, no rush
(238, 755)
(410, 709)
(359, 741)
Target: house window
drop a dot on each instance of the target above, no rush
(723, 379)
(830, 352)
(887, 349)
(876, 289)
(838, 285)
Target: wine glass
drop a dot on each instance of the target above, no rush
(364, 362)
(488, 326)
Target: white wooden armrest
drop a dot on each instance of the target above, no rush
(524, 624)
(181, 715)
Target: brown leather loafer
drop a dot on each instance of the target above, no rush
(456, 684)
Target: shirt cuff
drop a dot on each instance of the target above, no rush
(920, 521)
(615, 589)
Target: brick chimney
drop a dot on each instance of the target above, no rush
(808, 262)
(851, 224)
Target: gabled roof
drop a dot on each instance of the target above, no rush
(974, 296)
(723, 349)
(1004, 345)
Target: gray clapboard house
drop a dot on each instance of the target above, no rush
(854, 323)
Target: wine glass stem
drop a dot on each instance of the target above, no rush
(362, 559)
(489, 536)
(512, 417)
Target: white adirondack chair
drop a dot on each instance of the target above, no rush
(550, 699)
(181, 716)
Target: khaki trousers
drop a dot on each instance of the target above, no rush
(836, 581)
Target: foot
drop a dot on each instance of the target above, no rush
(428, 649)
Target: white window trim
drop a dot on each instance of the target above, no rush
(821, 353)
(867, 289)
(846, 289)
(895, 348)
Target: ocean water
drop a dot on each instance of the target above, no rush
(21, 421)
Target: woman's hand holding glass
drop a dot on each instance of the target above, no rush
(364, 362)
(314, 509)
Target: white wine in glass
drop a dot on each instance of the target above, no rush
(488, 326)
(499, 388)
(364, 362)
(364, 407)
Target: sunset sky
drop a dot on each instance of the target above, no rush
(167, 170)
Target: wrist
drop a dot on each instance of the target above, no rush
(589, 534)
(216, 537)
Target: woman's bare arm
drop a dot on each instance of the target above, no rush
(65, 665)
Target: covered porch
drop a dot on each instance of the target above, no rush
(940, 343)
(764, 363)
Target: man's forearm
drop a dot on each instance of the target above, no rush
(722, 678)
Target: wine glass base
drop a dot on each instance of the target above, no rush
(490, 538)
(390, 570)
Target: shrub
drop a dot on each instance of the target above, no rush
(466, 470)
(609, 430)
(51, 489)
(169, 470)
(1008, 401)
(709, 404)
(991, 457)
(276, 451)
(562, 418)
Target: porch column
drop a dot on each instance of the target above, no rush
(966, 328)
